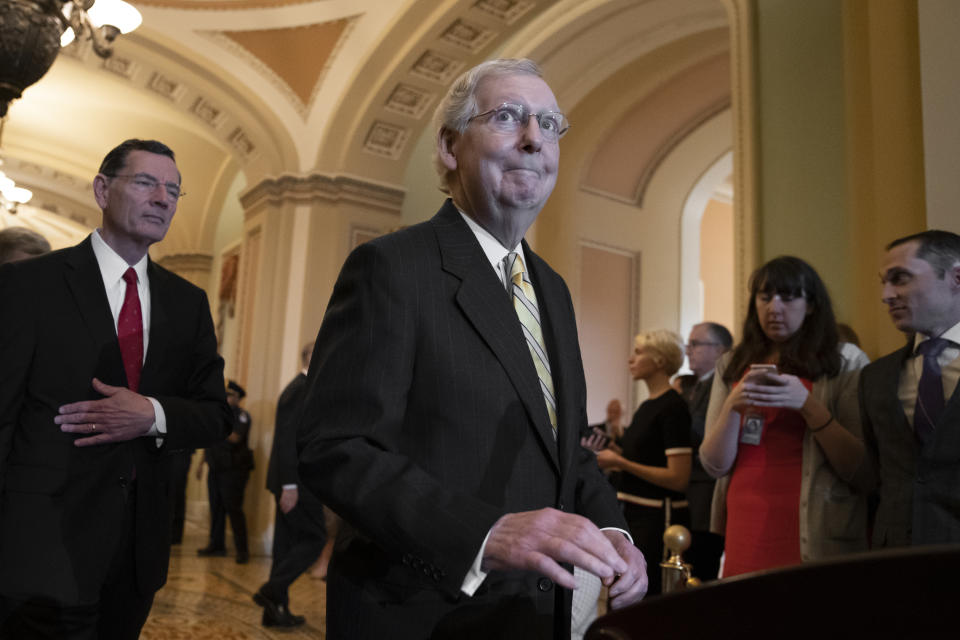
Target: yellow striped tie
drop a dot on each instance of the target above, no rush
(525, 304)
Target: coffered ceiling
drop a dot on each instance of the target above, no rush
(345, 87)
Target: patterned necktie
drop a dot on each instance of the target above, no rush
(930, 399)
(130, 331)
(525, 304)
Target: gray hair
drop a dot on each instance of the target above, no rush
(459, 105)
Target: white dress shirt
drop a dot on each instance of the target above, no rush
(949, 361)
(112, 268)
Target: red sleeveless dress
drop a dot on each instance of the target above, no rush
(763, 499)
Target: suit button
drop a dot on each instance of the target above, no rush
(544, 584)
(560, 505)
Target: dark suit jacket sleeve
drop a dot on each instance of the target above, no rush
(284, 455)
(196, 409)
(357, 453)
(16, 345)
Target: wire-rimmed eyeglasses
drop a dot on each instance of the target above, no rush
(509, 118)
(146, 183)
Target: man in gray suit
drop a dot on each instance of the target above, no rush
(440, 423)
(909, 399)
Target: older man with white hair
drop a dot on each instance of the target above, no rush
(446, 398)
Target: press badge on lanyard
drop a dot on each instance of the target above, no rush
(752, 427)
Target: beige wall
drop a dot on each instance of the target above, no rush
(608, 296)
(835, 149)
(716, 264)
(939, 24)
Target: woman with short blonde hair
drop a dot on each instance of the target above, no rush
(655, 453)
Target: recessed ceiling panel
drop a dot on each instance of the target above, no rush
(297, 55)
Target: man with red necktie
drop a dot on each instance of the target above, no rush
(109, 365)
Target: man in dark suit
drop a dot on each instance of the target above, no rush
(443, 411)
(108, 364)
(230, 463)
(299, 531)
(909, 399)
(707, 342)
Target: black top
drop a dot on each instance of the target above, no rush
(658, 426)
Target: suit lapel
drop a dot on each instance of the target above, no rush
(85, 283)
(160, 306)
(484, 301)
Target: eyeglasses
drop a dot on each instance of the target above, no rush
(510, 118)
(146, 183)
(693, 344)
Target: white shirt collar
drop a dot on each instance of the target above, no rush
(952, 334)
(112, 266)
(492, 248)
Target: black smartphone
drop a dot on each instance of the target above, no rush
(587, 431)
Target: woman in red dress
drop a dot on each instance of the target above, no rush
(784, 424)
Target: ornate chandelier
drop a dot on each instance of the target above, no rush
(32, 32)
(10, 194)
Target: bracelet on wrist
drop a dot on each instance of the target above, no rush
(823, 426)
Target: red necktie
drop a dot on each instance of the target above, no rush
(130, 331)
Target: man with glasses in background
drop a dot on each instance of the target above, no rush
(446, 397)
(109, 364)
(707, 342)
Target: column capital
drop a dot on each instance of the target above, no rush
(314, 187)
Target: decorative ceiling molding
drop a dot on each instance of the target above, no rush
(506, 11)
(141, 74)
(318, 186)
(469, 36)
(470, 33)
(221, 5)
(165, 86)
(408, 100)
(386, 139)
(436, 67)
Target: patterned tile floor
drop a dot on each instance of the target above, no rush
(211, 598)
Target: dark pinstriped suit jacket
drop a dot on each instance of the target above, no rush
(424, 423)
(62, 506)
(919, 485)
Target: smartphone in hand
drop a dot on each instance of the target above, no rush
(760, 373)
(588, 431)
